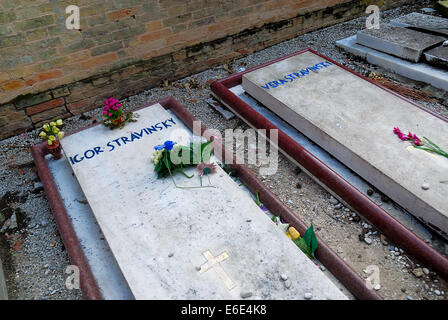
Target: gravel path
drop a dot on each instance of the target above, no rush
(34, 257)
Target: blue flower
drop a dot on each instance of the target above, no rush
(168, 145)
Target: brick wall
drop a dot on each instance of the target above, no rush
(126, 46)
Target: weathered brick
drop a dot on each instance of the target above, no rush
(4, 77)
(100, 60)
(50, 75)
(171, 21)
(5, 29)
(45, 106)
(110, 47)
(13, 121)
(156, 35)
(60, 92)
(119, 14)
(13, 85)
(48, 115)
(7, 17)
(81, 106)
(37, 34)
(31, 100)
(154, 25)
(35, 23)
(10, 41)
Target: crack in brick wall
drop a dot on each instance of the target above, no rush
(127, 46)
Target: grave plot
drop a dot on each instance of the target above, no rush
(410, 45)
(353, 119)
(403, 43)
(173, 243)
(438, 57)
(425, 22)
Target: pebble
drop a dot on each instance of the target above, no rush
(368, 241)
(425, 186)
(340, 251)
(383, 240)
(334, 201)
(284, 277)
(322, 267)
(245, 294)
(338, 206)
(308, 295)
(377, 287)
(170, 255)
(13, 222)
(418, 272)
(409, 298)
(369, 192)
(288, 284)
(437, 292)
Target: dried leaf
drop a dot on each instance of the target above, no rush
(18, 245)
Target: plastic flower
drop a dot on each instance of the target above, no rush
(206, 168)
(55, 130)
(49, 142)
(59, 122)
(156, 156)
(46, 127)
(53, 124)
(168, 145)
(43, 135)
(52, 138)
(61, 134)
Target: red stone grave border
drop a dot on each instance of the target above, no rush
(341, 270)
(388, 225)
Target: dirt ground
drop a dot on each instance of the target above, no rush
(34, 257)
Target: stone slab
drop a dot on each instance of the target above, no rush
(400, 42)
(3, 289)
(416, 71)
(104, 267)
(438, 57)
(422, 21)
(161, 235)
(353, 120)
(342, 170)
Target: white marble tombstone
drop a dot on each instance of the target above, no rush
(171, 243)
(354, 120)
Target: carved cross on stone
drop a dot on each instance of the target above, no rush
(214, 263)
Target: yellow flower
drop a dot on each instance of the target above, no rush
(46, 127)
(50, 142)
(294, 233)
(43, 135)
(53, 124)
(61, 134)
(52, 138)
(55, 130)
(59, 122)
